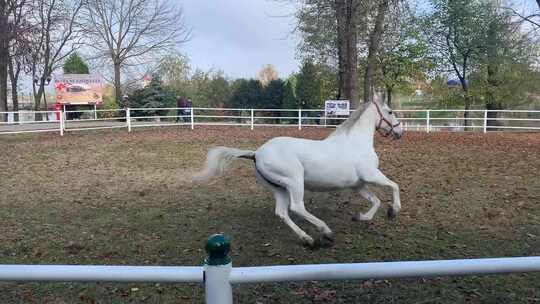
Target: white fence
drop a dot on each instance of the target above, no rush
(218, 275)
(413, 120)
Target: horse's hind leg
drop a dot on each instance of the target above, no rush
(375, 204)
(282, 210)
(296, 192)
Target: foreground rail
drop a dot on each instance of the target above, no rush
(217, 274)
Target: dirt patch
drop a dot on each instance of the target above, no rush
(113, 198)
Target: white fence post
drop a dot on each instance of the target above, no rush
(95, 111)
(428, 129)
(192, 118)
(217, 271)
(299, 119)
(128, 119)
(485, 120)
(61, 118)
(252, 119)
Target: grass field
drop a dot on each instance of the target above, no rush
(118, 198)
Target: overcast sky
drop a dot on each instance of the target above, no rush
(240, 36)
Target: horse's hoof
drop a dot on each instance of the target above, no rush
(327, 239)
(308, 242)
(325, 242)
(329, 236)
(392, 214)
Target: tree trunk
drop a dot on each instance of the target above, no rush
(117, 83)
(14, 79)
(492, 104)
(467, 102)
(374, 42)
(491, 101)
(389, 96)
(37, 99)
(492, 116)
(466, 113)
(346, 16)
(4, 55)
(3, 86)
(45, 104)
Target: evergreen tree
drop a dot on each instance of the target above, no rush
(247, 94)
(273, 94)
(289, 96)
(239, 96)
(255, 94)
(152, 96)
(74, 64)
(308, 88)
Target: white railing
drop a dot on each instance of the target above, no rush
(25, 122)
(413, 120)
(218, 275)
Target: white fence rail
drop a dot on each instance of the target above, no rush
(218, 275)
(130, 118)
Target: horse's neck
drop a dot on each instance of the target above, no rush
(363, 131)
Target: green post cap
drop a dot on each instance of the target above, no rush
(218, 247)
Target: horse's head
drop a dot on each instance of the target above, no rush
(388, 124)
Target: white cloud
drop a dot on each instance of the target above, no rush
(240, 36)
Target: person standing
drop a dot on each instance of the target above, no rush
(181, 104)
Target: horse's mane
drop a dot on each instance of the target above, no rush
(348, 124)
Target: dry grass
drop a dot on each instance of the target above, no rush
(118, 198)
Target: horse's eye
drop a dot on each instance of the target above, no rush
(390, 112)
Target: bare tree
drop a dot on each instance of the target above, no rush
(7, 32)
(4, 51)
(56, 36)
(128, 32)
(532, 18)
(373, 49)
(19, 48)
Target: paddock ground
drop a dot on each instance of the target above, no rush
(109, 197)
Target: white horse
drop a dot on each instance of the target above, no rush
(345, 159)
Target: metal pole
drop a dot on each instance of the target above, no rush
(299, 119)
(192, 119)
(383, 270)
(217, 270)
(128, 119)
(61, 122)
(485, 121)
(428, 129)
(251, 119)
(95, 111)
(99, 273)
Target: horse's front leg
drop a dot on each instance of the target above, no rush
(378, 178)
(375, 204)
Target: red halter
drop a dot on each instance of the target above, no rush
(382, 118)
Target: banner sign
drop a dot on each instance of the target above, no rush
(337, 107)
(79, 89)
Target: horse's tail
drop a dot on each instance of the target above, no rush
(219, 159)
